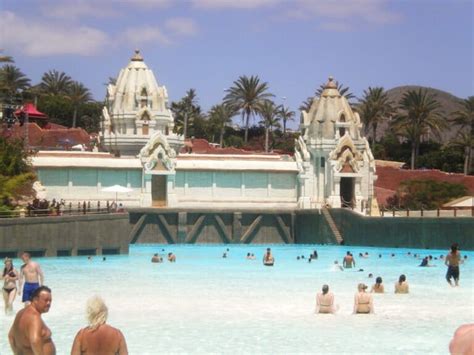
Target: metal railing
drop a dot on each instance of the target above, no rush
(439, 212)
(67, 209)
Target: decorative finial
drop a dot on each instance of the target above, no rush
(137, 56)
(331, 84)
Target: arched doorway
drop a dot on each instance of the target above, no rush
(347, 188)
(158, 190)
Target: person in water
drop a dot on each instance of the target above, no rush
(268, 258)
(98, 337)
(156, 258)
(337, 267)
(424, 262)
(378, 286)
(325, 301)
(9, 290)
(402, 285)
(171, 257)
(31, 277)
(463, 340)
(452, 261)
(363, 302)
(348, 261)
(29, 334)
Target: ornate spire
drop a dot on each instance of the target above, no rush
(331, 84)
(137, 57)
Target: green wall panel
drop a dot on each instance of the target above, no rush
(53, 177)
(83, 177)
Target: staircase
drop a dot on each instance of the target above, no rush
(332, 225)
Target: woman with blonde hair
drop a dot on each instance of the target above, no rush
(98, 337)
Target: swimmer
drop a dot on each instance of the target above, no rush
(452, 262)
(309, 260)
(224, 255)
(9, 290)
(380, 256)
(31, 277)
(393, 255)
(104, 258)
(248, 257)
(337, 267)
(424, 262)
(29, 334)
(325, 301)
(156, 258)
(348, 261)
(463, 340)
(252, 256)
(315, 254)
(402, 285)
(371, 275)
(98, 337)
(363, 302)
(378, 286)
(171, 257)
(268, 259)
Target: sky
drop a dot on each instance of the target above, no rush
(293, 45)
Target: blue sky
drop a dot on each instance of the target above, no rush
(294, 45)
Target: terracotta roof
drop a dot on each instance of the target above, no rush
(31, 110)
(389, 179)
(202, 146)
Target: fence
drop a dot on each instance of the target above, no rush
(440, 212)
(67, 209)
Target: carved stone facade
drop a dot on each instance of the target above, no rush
(136, 109)
(336, 165)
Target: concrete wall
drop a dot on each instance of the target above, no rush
(68, 234)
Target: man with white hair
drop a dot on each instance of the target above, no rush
(98, 337)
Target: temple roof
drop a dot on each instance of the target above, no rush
(31, 110)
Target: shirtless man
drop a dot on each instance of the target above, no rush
(32, 276)
(268, 259)
(363, 302)
(29, 334)
(348, 261)
(452, 262)
(402, 285)
(98, 337)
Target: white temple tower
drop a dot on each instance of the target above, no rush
(336, 164)
(136, 109)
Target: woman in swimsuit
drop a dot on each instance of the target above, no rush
(325, 301)
(378, 286)
(363, 302)
(10, 277)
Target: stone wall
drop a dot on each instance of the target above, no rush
(65, 235)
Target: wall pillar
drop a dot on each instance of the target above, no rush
(182, 227)
(236, 227)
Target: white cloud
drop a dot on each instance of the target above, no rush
(144, 34)
(234, 4)
(182, 26)
(37, 38)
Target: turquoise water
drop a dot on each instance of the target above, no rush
(206, 304)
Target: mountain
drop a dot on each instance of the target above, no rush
(449, 103)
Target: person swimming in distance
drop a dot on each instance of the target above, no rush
(252, 256)
(248, 256)
(378, 286)
(315, 254)
(363, 302)
(325, 301)
(171, 257)
(380, 256)
(402, 285)
(268, 259)
(224, 255)
(298, 257)
(156, 258)
(309, 260)
(337, 267)
(371, 275)
(424, 262)
(393, 255)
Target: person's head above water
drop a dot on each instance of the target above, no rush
(348, 253)
(454, 247)
(402, 278)
(325, 289)
(378, 280)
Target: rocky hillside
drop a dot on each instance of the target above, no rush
(449, 103)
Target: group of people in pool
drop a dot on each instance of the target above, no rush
(157, 258)
(363, 301)
(29, 334)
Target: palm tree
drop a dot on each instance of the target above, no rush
(285, 115)
(185, 111)
(220, 116)
(419, 114)
(5, 58)
(55, 83)
(374, 107)
(247, 94)
(12, 81)
(464, 118)
(78, 94)
(270, 116)
(344, 91)
(306, 104)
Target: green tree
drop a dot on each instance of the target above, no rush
(12, 82)
(270, 118)
(185, 112)
(55, 83)
(374, 108)
(419, 115)
(285, 114)
(5, 58)
(306, 104)
(220, 116)
(78, 94)
(247, 94)
(465, 120)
